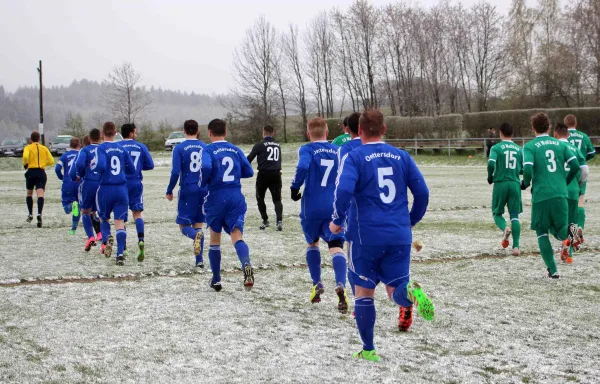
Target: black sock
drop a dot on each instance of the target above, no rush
(140, 236)
(96, 225)
(29, 201)
(40, 205)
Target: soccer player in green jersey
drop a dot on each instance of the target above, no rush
(544, 162)
(562, 133)
(505, 164)
(584, 144)
(345, 137)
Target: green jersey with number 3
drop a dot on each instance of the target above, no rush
(507, 158)
(583, 143)
(573, 187)
(548, 157)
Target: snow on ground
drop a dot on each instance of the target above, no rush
(497, 319)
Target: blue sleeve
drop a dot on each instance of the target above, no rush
(416, 183)
(148, 162)
(304, 160)
(344, 191)
(206, 170)
(247, 170)
(59, 167)
(129, 166)
(79, 168)
(175, 171)
(98, 163)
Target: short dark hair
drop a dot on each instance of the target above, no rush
(269, 129)
(218, 127)
(190, 127)
(345, 122)
(35, 137)
(371, 121)
(74, 143)
(540, 123)
(127, 129)
(95, 135)
(506, 129)
(561, 130)
(353, 120)
(109, 129)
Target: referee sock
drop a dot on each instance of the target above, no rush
(214, 257)
(189, 231)
(364, 308)
(40, 205)
(243, 252)
(29, 201)
(339, 268)
(313, 259)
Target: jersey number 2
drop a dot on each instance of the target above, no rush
(386, 183)
(227, 176)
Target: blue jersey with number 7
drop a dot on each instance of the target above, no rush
(113, 164)
(140, 156)
(378, 176)
(229, 166)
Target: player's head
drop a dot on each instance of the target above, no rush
(317, 129)
(35, 137)
(570, 121)
(109, 130)
(129, 131)
(371, 125)
(74, 143)
(506, 131)
(190, 128)
(86, 140)
(353, 124)
(561, 131)
(540, 123)
(268, 130)
(94, 136)
(217, 129)
(345, 125)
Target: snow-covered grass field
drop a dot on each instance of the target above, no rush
(67, 316)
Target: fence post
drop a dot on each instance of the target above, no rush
(416, 148)
(448, 147)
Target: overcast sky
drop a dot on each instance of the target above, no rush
(175, 44)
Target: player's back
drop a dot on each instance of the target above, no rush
(348, 146)
(547, 155)
(508, 158)
(86, 158)
(113, 163)
(573, 188)
(229, 166)
(320, 159)
(187, 161)
(140, 156)
(582, 141)
(67, 161)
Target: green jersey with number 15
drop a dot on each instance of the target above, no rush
(507, 159)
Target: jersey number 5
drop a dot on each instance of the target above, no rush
(386, 183)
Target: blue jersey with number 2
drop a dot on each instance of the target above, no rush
(229, 166)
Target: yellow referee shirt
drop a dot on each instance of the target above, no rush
(36, 155)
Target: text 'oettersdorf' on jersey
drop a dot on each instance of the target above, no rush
(323, 150)
(388, 155)
(224, 150)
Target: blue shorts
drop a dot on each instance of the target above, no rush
(226, 212)
(370, 264)
(135, 191)
(69, 194)
(87, 194)
(189, 205)
(113, 199)
(319, 228)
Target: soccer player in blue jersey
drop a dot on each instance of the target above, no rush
(377, 176)
(225, 205)
(69, 189)
(317, 169)
(142, 160)
(113, 164)
(88, 187)
(187, 168)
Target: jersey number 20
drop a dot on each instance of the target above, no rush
(386, 183)
(273, 154)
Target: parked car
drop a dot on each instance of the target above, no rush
(60, 144)
(174, 139)
(12, 147)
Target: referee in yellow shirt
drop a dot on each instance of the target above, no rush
(36, 158)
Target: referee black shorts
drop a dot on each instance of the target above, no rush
(35, 178)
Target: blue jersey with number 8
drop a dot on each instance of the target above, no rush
(113, 163)
(229, 166)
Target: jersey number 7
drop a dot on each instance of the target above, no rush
(329, 166)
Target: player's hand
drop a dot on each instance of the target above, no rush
(25, 166)
(490, 180)
(77, 179)
(169, 197)
(523, 187)
(334, 228)
(296, 195)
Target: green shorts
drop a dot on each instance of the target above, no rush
(547, 214)
(582, 189)
(507, 193)
(573, 211)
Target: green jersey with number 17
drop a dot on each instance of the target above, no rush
(573, 187)
(548, 157)
(582, 142)
(508, 160)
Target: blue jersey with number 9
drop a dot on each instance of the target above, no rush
(229, 166)
(113, 163)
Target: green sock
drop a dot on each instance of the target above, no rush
(515, 226)
(547, 252)
(581, 217)
(500, 222)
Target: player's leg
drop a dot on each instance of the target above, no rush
(313, 260)
(120, 208)
(104, 202)
(541, 223)
(233, 219)
(581, 211)
(243, 252)
(214, 258)
(199, 243)
(515, 207)
(121, 240)
(40, 189)
(138, 218)
(261, 189)
(339, 262)
(29, 186)
(275, 186)
(566, 252)
(499, 199)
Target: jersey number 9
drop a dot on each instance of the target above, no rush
(115, 165)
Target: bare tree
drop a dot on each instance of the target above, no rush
(521, 47)
(291, 53)
(125, 98)
(282, 85)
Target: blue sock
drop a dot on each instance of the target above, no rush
(121, 241)
(400, 295)
(340, 268)
(105, 229)
(75, 223)
(199, 256)
(243, 252)
(189, 231)
(364, 307)
(139, 226)
(87, 225)
(313, 259)
(214, 257)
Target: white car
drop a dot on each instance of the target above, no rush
(174, 139)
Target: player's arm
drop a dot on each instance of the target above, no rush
(148, 164)
(247, 170)
(98, 163)
(25, 159)
(254, 152)
(206, 169)
(420, 191)
(77, 171)
(49, 157)
(527, 167)
(304, 160)
(344, 191)
(58, 169)
(175, 171)
(491, 167)
(572, 163)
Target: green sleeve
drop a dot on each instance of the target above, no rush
(590, 151)
(527, 166)
(491, 167)
(520, 162)
(573, 164)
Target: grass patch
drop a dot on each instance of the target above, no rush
(85, 370)
(60, 368)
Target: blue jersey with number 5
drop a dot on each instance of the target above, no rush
(229, 166)
(317, 169)
(113, 164)
(140, 156)
(377, 176)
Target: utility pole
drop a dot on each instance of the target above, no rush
(41, 127)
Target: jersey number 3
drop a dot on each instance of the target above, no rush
(386, 183)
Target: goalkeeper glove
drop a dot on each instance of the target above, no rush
(490, 180)
(296, 195)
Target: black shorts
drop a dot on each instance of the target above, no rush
(270, 181)
(35, 178)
